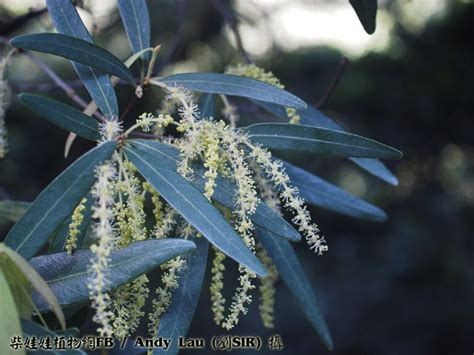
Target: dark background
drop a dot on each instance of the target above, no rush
(400, 287)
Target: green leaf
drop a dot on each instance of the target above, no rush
(313, 117)
(177, 319)
(68, 275)
(75, 49)
(9, 318)
(19, 285)
(66, 20)
(62, 115)
(366, 11)
(288, 266)
(56, 202)
(136, 20)
(285, 137)
(13, 210)
(31, 328)
(206, 105)
(224, 192)
(195, 208)
(37, 282)
(234, 85)
(316, 191)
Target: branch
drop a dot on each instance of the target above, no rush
(337, 79)
(224, 8)
(60, 83)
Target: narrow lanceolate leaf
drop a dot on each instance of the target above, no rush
(313, 117)
(176, 321)
(224, 192)
(13, 210)
(19, 285)
(206, 105)
(75, 49)
(66, 20)
(38, 284)
(136, 20)
(56, 202)
(307, 139)
(31, 328)
(62, 115)
(366, 11)
(195, 208)
(316, 191)
(68, 275)
(234, 85)
(288, 266)
(9, 318)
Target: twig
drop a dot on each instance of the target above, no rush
(44, 87)
(223, 7)
(128, 108)
(61, 83)
(55, 78)
(337, 78)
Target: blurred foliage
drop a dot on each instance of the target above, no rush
(402, 287)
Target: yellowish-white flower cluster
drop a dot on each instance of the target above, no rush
(254, 72)
(290, 197)
(105, 242)
(227, 151)
(76, 221)
(169, 281)
(165, 215)
(217, 285)
(129, 209)
(120, 212)
(128, 302)
(267, 288)
(110, 129)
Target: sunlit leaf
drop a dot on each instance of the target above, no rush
(75, 49)
(56, 202)
(288, 266)
(308, 139)
(176, 321)
(9, 318)
(234, 85)
(195, 208)
(62, 115)
(39, 285)
(316, 191)
(66, 20)
(68, 275)
(19, 285)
